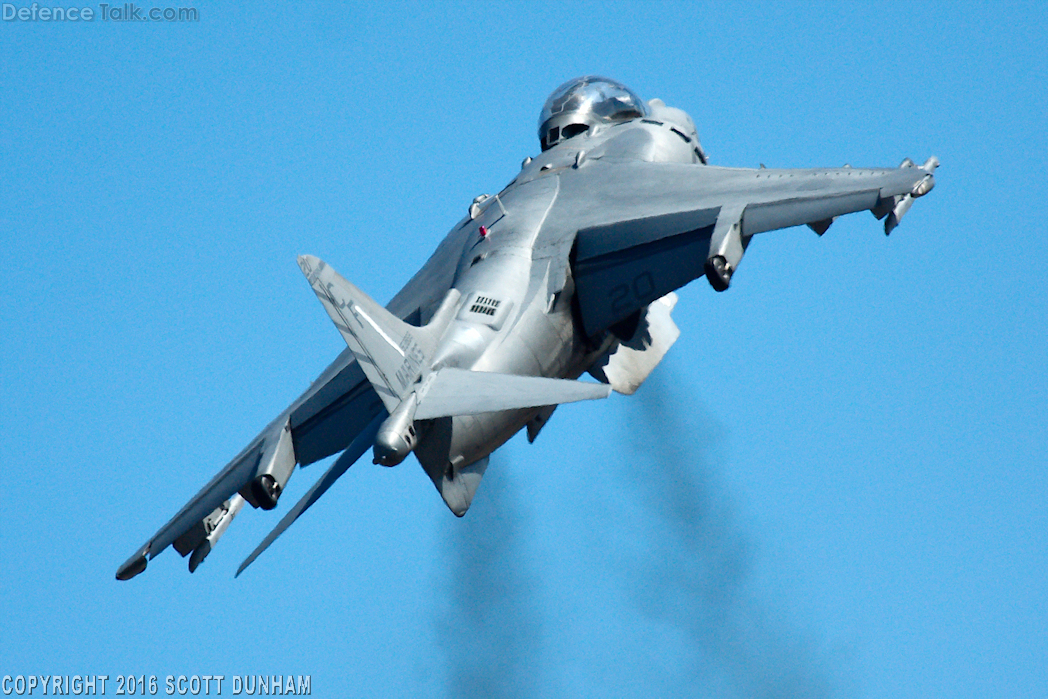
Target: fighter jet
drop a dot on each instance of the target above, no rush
(570, 269)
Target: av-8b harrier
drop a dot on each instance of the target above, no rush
(569, 269)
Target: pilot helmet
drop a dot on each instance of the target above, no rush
(579, 104)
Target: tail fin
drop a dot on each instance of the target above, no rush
(391, 353)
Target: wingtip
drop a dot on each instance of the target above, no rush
(136, 564)
(132, 567)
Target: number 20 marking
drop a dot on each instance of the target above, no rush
(643, 286)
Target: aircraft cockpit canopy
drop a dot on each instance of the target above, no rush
(584, 102)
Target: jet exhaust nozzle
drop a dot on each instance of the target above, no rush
(718, 272)
(266, 491)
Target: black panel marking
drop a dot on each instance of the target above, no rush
(680, 133)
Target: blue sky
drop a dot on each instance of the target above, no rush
(834, 485)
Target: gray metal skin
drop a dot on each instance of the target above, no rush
(576, 248)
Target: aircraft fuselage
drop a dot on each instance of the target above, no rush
(523, 322)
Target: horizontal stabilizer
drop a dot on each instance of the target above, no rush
(452, 391)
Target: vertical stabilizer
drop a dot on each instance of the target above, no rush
(391, 353)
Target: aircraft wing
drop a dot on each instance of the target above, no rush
(338, 405)
(326, 419)
(642, 229)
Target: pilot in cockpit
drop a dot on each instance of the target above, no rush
(582, 103)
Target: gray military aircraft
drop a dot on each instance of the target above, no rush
(569, 269)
